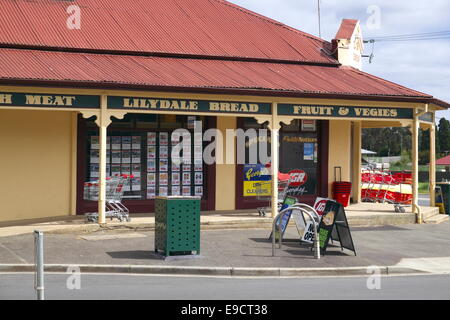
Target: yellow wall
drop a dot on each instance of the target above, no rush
(35, 164)
(225, 173)
(339, 150)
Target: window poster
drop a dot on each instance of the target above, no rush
(136, 184)
(163, 138)
(198, 177)
(163, 178)
(198, 138)
(309, 125)
(186, 178)
(175, 166)
(316, 147)
(187, 167)
(198, 165)
(151, 192)
(108, 156)
(125, 168)
(175, 138)
(136, 142)
(198, 152)
(186, 191)
(136, 156)
(151, 152)
(151, 138)
(198, 191)
(176, 190)
(126, 142)
(108, 143)
(163, 165)
(95, 142)
(151, 165)
(95, 156)
(163, 151)
(308, 151)
(191, 122)
(136, 170)
(108, 170)
(116, 156)
(115, 143)
(151, 179)
(115, 169)
(163, 191)
(175, 178)
(126, 156)
(94, 170)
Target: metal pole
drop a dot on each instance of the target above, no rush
(39, 264)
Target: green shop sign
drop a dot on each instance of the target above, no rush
(187, 105)
(323, 111)
(45, 100)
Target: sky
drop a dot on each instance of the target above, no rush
(419, 65)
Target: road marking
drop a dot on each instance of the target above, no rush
(113, 236)
(13, 253)
(432, 265)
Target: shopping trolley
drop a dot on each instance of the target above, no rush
(385, 187)
(115, 188)
(263, 192)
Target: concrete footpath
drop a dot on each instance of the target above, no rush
(236, 252)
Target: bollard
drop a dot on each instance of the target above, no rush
(39, 264)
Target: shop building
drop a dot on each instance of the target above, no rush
(102, 97)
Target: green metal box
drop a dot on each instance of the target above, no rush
(177, 225)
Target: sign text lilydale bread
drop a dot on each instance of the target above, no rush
(158, 104)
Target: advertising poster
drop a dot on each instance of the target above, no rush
(151, 192)
(95, 156)
(163, 151)
(95, 142)
(175, 166)
(308, 151)
(151, 166)
(116, 155)
(186, 178)
(108, 143)
(163, 165)
(125, 168)
(136, 170)
(108, 170)
(94, 170)
(136, 156)
(198, 191)
(176, 191)
(309, 125)
(135, 184)
(257, 180)
(186, 167)
(151, 152)
(186, 191)
(126, 142)
(126, 156)
(163, 178)
(151, 138)
(116, 143)
(191, 122)
(198, 139)
(176, 178)
(108, 156)
(303, 182)
(163, 191)
(198, 177)
(198, 152)
(315, 152)
(115, 169)
(151, 179)
(136, 142)
(163, 139)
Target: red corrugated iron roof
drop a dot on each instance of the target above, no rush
(445, 161)
(144, 71)
(179, 27)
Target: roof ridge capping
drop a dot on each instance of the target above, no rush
(278, 23)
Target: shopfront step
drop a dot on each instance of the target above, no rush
(436, 219)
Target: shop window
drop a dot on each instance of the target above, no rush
(141, 145)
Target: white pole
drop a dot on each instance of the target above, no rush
(39, 264)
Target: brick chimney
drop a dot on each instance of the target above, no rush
(348, 44)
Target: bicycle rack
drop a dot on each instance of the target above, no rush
(303, 210)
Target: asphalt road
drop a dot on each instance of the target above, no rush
(123, 287)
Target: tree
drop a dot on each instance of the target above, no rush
(444, 135)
